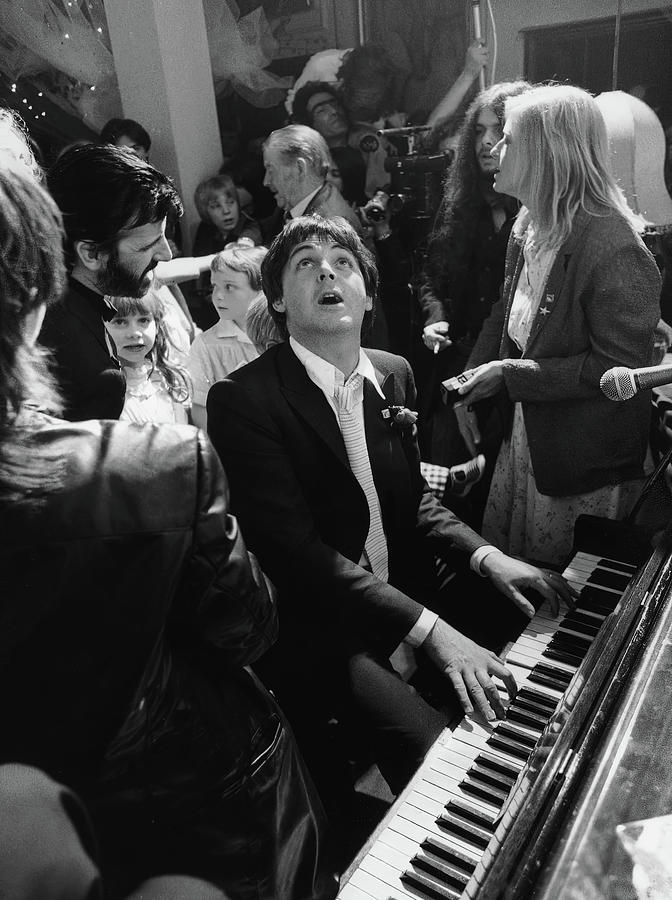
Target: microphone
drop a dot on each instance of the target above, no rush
(621, 383)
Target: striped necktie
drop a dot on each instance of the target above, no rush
(349, 398)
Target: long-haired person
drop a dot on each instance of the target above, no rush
(580, 296)
(464, 275)
(129, 610)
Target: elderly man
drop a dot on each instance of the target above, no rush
(318, 440)
(115, 208)
(297, 160)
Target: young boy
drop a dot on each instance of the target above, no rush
(222, 219)
(236, 281)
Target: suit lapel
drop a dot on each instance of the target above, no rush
(318, 199)
(383, 443)
(309, 402)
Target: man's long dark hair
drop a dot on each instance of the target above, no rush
(456, 221)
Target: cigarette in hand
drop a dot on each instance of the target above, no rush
(436, 348)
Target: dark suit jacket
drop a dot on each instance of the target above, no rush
(600, 307)
(304, 513)
(328, 202)
(91, 380)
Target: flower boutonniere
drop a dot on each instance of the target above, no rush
(400, 418)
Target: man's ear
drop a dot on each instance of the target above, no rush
(301, 165)
(369, 303)
(279, 305)
(90, 255)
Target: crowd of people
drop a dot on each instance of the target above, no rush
(215, 542)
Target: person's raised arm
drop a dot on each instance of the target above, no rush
(476, 58)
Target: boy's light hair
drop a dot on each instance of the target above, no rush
(562, 139)
(242, 259)
(208, 188)
(260, 325)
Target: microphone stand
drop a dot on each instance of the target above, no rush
(476, 14)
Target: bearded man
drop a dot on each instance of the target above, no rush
(115, 207)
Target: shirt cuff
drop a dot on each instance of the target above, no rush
(416, 636)
(479, 555)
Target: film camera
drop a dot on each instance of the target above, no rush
(415, 180)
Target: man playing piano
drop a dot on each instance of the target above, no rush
(318, 439)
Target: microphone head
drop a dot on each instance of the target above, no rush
(618, 383)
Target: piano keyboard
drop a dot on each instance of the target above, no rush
(440, 827)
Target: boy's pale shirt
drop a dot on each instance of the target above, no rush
(214, 354)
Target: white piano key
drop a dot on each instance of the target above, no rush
(350, 892)
(448, 763)
(417, 828)
(378, 888)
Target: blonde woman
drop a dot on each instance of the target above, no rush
(581, 294)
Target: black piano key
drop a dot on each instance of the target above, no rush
(571, 659)
(528, 693)
(573, 636)
(487, 775)
(475, 814)
(464, 829)
(425, 885)
(524, 717)
(450, 853)
(578, 618)
(474, 786)
(569, 642)
(576, 623)
(627, 568)
(508, 730)
(615, 580)
(497, 764)
(547, 680)
(547, 668)
(598, 600)
(508, 745)
(444, 872)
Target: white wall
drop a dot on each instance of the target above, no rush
(513, 15)
(162, 59)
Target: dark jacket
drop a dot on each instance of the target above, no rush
(304, 512)
(471, 290)
(129, 609)
(90, 377)
(328, 202)
(599, 309)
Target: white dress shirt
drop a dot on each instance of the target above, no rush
(323, 374)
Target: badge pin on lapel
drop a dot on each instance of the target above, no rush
(545, 309)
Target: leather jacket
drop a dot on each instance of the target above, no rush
(129, 609)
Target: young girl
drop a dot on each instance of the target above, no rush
(157, 388)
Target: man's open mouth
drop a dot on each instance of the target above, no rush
(331, 298)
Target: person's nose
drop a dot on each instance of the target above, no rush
(163, 252)
(489, 140)
(326, 272)
(267, 180)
